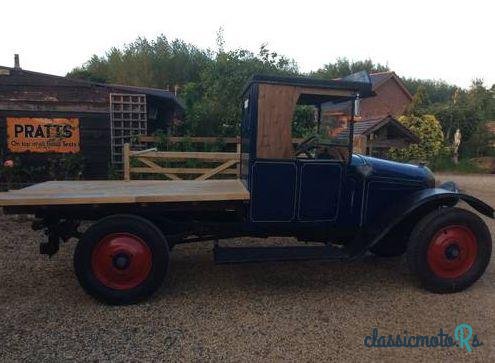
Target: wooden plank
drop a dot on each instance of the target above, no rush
(179, 155)
(216, 170)
(158, 168)
(199, 190)
(139, 170)
(53, 107)
(177, 139)
(276, 105)
(207, 140)
(143, 152)
(120, 191)
(324, 91)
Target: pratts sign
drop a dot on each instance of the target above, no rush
(43, 135)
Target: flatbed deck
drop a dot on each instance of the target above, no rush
(119, 191)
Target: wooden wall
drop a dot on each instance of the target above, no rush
(36, 95)
(94, 141)
(25, 91)
(276, 105)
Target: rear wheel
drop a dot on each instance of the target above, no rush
(449, 250)
(121, 259)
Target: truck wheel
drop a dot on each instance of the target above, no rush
(121, 259)
(392, 245)
(449, 250)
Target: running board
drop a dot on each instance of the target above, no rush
(225, 255)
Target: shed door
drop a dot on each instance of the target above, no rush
(128, 119)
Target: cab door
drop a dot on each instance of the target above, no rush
(273, 191)
(320, 184)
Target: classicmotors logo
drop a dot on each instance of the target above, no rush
(463, 338)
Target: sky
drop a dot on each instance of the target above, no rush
(434, 39)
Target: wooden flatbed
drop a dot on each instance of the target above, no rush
(119, 191)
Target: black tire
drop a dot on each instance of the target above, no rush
(439, 224)
(392, 245)
(150, 277)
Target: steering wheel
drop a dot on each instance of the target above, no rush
(308, 143)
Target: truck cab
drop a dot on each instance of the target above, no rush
(315, 186)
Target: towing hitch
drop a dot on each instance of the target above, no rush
(57, 231)
(52, 246)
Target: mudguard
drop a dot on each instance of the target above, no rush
(420, 203)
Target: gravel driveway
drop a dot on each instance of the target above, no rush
(309, 311)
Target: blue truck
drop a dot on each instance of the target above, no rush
(346, 204)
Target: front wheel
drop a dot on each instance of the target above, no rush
(121, 259)
(449, 250)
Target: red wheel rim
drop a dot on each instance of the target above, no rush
(121, 261)
(452, 252)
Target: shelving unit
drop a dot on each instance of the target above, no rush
(128, 119)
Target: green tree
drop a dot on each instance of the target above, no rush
(214, 101)
(211, 84)
(158, 63)
(435, 91)
(480, 143)
(343, 67)
(420, 100)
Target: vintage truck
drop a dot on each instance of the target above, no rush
(319, 191)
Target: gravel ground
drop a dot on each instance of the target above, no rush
(310, 311)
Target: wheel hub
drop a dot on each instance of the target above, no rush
(121, 261)
(452, 251)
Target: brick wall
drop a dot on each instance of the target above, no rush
(390, 99)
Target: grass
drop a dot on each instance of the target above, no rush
(465, 166)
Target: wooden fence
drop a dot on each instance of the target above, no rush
(195, 140)
(229, 163)
(199, 140)
(149, 159)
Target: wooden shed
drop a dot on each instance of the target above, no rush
(43, 117)
(375, 136)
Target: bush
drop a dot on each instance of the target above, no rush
(19, 170)
(428, 129)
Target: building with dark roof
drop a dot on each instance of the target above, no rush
(43, 116)
(377, 127)
(377, 135)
